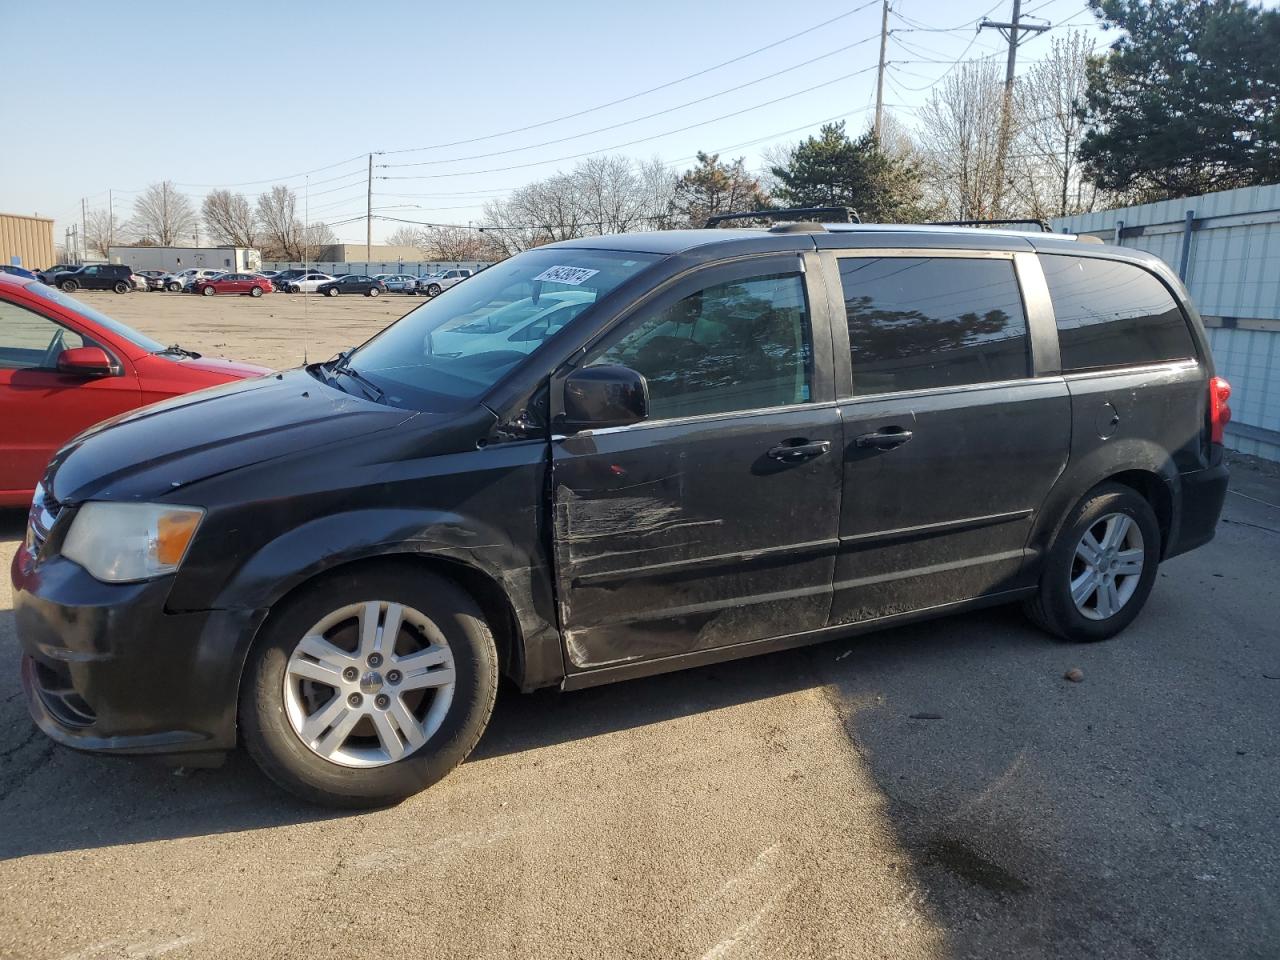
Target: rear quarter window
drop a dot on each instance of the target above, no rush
(1113, 314)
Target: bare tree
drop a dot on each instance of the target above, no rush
(279, 223)
(960, 142)
(409, 237)
(230, 219)
(314, 236)
(101, 230)
(1045, 172)
(162, 215)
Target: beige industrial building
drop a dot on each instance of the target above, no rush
(26, 241)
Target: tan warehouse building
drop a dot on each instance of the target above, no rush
(26, 241)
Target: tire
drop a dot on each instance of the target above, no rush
(1118, 597)
(122, 287)
(373, 292)
(433, 290)
(208, 291)
(69, 286)
(272, 710)
(174, 288)
(255, 292)
(331, 292)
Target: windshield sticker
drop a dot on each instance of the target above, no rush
(570, 275)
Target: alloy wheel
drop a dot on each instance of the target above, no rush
(1107, 566)
(369, 684)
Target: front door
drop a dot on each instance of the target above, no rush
(714, 521)
(951, 443)
(40, 408)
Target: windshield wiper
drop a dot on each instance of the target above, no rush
(180, 351)
(342, 364)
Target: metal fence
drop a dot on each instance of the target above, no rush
(413, 268)
(1226, 248)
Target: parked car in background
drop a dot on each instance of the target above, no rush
(269, 274)
(16, 271)
(306, 283)
(139, 282)
(249, 284)
(154, 278)
(398, 282)
(435, 283)
(352, 283)
(98, 276)
(183, 279)
(46, 275)
(64, 366)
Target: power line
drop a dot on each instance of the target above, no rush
(642, 93)
(629, 143)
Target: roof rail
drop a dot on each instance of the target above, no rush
(835, 214)
(1023, 221)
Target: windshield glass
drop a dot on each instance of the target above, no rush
(84, 310)
(455, 347)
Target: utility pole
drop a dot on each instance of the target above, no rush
(84, 224)
(368, 216)
(1011, 32)
(884, 42)
(111, 216)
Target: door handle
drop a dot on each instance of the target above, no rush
(795, 451)
(885, 439)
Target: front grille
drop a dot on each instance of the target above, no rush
(44, 511)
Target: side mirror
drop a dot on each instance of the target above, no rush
(606, 396)
(85, 362)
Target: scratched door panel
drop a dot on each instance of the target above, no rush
(680, 536)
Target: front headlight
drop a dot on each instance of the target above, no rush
(126, 542)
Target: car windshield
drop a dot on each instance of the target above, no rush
(84, 310)
(455, 347)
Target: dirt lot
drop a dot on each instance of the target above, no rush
(785, 807)
(274, 330)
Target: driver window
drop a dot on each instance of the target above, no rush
(30, 341)
(740, 345)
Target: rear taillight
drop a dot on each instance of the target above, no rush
(1219, 411)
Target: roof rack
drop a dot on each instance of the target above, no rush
(1022, 221)
(834, 214)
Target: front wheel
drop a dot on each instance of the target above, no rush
(208, 291)
(69, 286)
(433, 290)
(331, 292)
(369, 687)
(255, 292)
(175, 288)
(1101, 567)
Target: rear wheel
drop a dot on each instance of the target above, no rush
(1101, 567)
(369, 687)
(255, 292)
(374, 291)
(122, 287)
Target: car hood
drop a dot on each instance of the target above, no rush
(153, 451)
(232, 369)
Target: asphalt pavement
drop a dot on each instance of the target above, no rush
(939, 790)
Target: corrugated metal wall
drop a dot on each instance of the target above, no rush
(30, 238)
(1226, 246)
(416, 268)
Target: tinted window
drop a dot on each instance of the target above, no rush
(734, 346)
(920, 322)
(1113, 314)
(30, 340)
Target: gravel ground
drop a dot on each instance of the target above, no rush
(786, 806)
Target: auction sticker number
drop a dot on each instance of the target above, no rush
(570, 275)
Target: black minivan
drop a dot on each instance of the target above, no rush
(612, 457)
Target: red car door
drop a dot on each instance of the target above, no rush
(41, 408)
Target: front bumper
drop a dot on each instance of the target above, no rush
(106, 667)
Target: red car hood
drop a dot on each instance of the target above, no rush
(226, 368)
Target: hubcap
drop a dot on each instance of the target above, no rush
(369, 684)
(1107, 566)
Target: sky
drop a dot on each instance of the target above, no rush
(457, 107)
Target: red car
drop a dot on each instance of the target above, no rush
(242, 283)
(64, 366)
